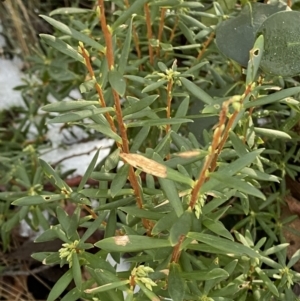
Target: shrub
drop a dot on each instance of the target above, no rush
(197, 214)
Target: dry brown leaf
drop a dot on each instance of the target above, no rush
(147, 165)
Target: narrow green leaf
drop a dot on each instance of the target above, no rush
(112, 160)
(60, 286)
(295, 258)
(48, 235)
(232, 168)
(117, 81)
(176, 285)
(123, 60)
(38, 199)
(267, 282)
(256, 54)
(237, 184)
(106, 130)
(204, 275)
(275, 134)
(69, 10)
(181, 112)
(139, 139)
(181, 227)
(77, 35)
(237, 144)
(140, 105)
(52, 233)
(54, 177)
(79, 115)
(62, 47)
(95, 225)
(52, 259)
(272, 97)
(149, 294)
(41, 256)
(217, 228)
(158, 122)
(154, 86)
(72, 295)
(131, 243)
(197, 91)
(165, 223)
(133, 9)
(106, 287)
(222, 244)
(104, 193)
(116, 204)
(142, 213)
(63, 218)
(119, 180)
(65, 106)
(258, 175)
(76, 271)
(171, 193)
(89, 170)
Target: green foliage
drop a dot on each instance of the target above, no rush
(196, 220)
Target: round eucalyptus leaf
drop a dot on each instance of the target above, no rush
(235, 37)
(282, 44)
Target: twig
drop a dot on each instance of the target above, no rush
(71, 156)
(124, 146)
(205, 45)
(26, 273)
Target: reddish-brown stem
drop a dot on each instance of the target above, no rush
(223, 140)
(97, 86)
(205, 45)
(118, 109)
(176, 251)
(90, 211)
(161, 28)
(149, 32)
(107, 35)
(174, 29)
(200, 182)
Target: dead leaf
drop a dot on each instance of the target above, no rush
(147, 165)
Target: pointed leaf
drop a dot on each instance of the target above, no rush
(237, 184)
(131, 243)
(60, 286)
(117, 82)
(223, 244)
(176, 285)
(196, 91)
(77, 35)
(62, 47)
(119, 180)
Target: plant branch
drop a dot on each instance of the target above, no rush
(205, 45)
(123, 132)
(98, 88)
(174, 29)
